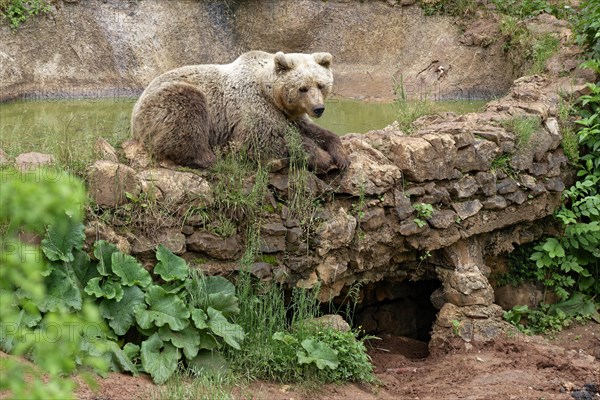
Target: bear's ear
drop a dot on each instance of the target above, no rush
(282, 62)
(323, 59)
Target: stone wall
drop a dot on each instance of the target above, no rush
(366, 228)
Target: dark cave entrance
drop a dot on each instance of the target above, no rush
(397, 308)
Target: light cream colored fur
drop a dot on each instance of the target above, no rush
(252, 102)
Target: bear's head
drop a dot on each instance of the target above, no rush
(302, 83)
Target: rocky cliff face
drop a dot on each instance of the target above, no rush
(112, 47)
(441, 203)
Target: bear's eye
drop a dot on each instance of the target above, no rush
(320, 86)
(303, 89)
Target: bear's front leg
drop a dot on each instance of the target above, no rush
(326, 140)
(318, 159)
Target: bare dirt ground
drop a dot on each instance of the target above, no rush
(519, 368)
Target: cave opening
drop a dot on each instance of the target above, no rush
(400, 311)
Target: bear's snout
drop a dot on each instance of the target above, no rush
(319, 110)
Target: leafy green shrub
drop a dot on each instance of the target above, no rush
(587, 27)
(296, 349)
(354, 362)
(35, 321)
(552, 318)
(18, 11)
(184, 318)
(571, 262)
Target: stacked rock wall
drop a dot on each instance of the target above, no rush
(487, 189)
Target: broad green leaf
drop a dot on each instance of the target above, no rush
(200, 318)
(83, 268)
(578, 304)
(187, 339)
(319, 353)
(554, 248)
(131, 350)
(285, 338)
(120, 314)
(104, 288)
(175, 286)
(224, 302)
(62, 238)
(129, 270)
(163, 308)
(221, 295)
(218, 284)
(208, 362)
(232, 334)
(93, 287)
(207, 341)
(170, 266)
(586, 282)
(61, 292)
(121, 360)
(31, 314)
(159, 359)
(103, 252)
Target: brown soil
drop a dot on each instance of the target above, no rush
(514, 368)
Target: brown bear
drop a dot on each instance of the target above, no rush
(184, 115)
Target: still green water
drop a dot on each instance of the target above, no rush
(69, 128)
(353, 116)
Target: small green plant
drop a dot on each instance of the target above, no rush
(223, 227)
(199, 214)
(552, 318)
(542, 49)
(570, 141)
(409, 111)
(523, 128)
(456, 327)
(523, 9)
(240, 186)
(424, 211)
(502, 163)
(294, 349)
(18, 11)
(532, 322)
